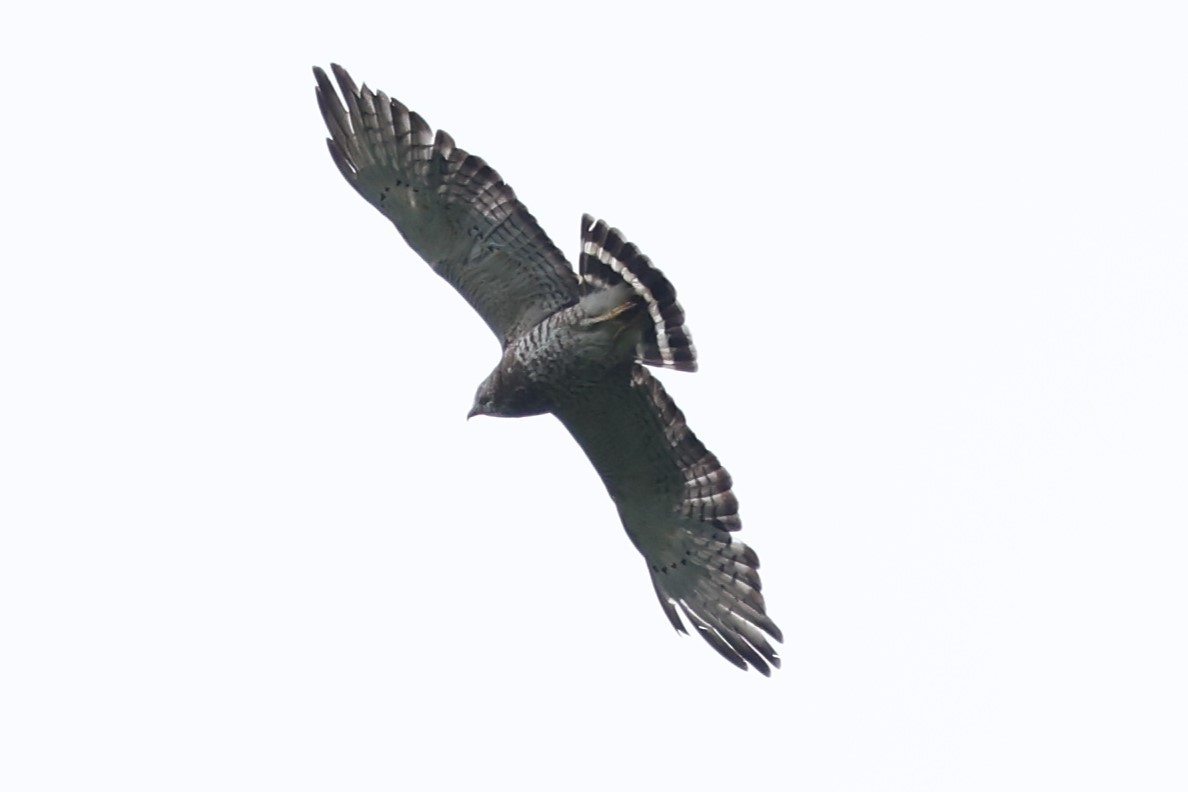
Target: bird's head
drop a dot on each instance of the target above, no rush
(484, 398)
(507, 393)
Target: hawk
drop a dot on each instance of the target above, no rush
(574, 345)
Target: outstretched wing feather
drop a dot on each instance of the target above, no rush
(451, 207)
(675, 501)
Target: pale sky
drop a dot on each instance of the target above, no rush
(935, 262)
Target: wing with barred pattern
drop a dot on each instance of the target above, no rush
(452, 208)
(676, 503)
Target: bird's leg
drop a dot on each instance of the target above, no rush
(613, 313)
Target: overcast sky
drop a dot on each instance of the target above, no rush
(936, 266)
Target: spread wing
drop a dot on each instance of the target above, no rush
(451, 207)
(675, 501)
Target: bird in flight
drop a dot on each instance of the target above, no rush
(574, 345)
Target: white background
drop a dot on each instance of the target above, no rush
(936, 268)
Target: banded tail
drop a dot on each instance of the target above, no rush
(607, 260)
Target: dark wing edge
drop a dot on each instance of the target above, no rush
(608, 259)
(677, 505)
(452, 208)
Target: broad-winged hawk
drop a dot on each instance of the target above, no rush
(574, 345)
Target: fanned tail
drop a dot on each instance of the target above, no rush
(607, 260)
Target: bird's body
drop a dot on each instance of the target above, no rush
(574, 345)
(565, 355)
